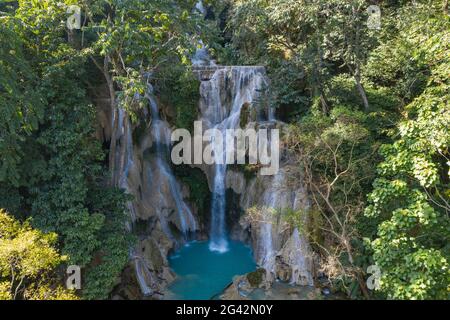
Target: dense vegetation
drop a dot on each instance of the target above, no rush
(28, 262)
(368, 114)
(370, 118)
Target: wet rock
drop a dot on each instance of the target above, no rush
(236, 181)
(151, 252)
(283, 271)
(256, 278)
(239, 289)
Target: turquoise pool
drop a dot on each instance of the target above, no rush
(202, 273)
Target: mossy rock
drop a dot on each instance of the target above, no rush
(155, 256)
(245, 115)
(255, 278)
(199, 193)
(250, 171)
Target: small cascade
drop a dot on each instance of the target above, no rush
(201, 56)
(161, 134)
(126, 162)
(143, 275)
(126, 133)
(279, 247)
(223, 97)
(266, 246)
(301, 265)
(274, 199)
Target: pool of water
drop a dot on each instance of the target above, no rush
(202, 273)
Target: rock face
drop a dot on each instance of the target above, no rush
(279, 247)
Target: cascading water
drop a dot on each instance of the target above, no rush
(124, 129)
(141, 168)
(219, 240)
(273, 199)
(300, 263)
(165, 199)
(243, 86)
(125, 132)
(201, 56)
(278, 247)
(161, 134)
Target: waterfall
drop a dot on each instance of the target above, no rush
(219, 241)
(123, 182)
(123, 172)
(124, 129)
(166, 198)
(161, 134)
(201, 56)
(266, 243)
(223, 97)
(279, 247)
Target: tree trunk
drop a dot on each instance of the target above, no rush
(113, 144)
(324, 103)
(71, 38)
(362, 286)
(361, 90)
(359, 278)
